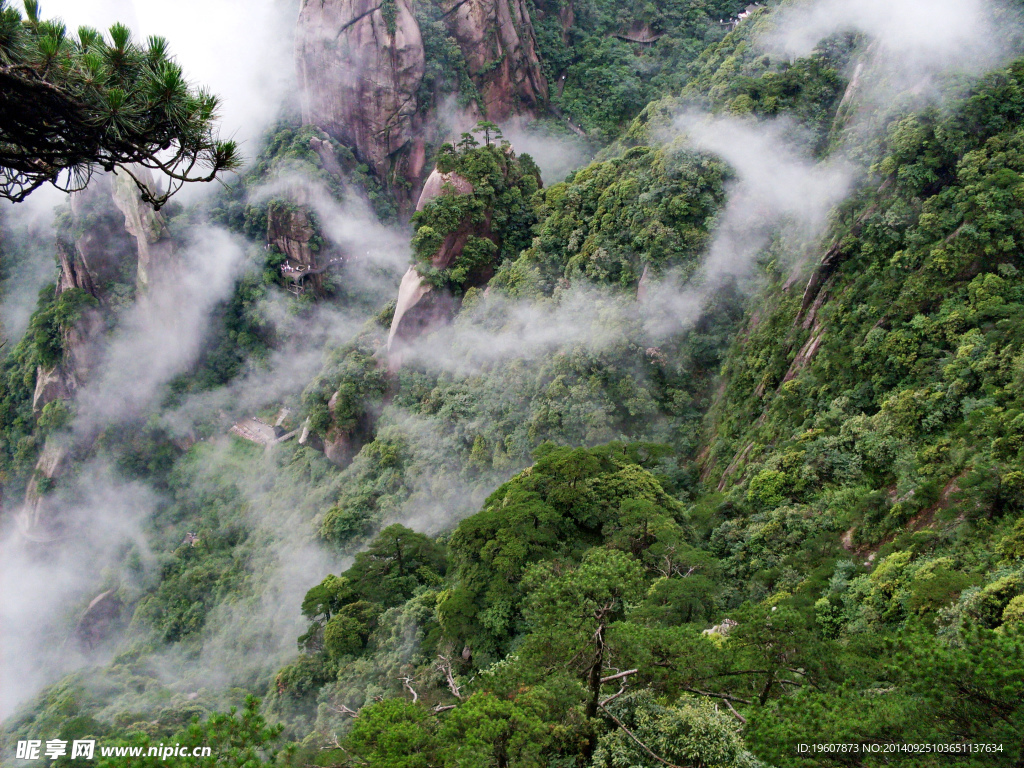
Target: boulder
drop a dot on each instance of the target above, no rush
(361, 64)
(99, 619)
(339, 447)
(410, 293)
(435, 186)
(421, 307)
(643, 286)
(51, 384)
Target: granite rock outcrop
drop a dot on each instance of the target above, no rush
(500, 49)
(360, 64)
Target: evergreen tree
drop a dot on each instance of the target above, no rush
(70, 105)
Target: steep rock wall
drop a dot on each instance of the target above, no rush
(360, 70)
(34, 523)
(96, 247)
(437, 184)
(290, 230)
(359, 75)
(95, 257)
(500, 48)
(96, 250)
(148, 227)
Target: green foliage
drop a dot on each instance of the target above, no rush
(53, 320)
(568, 605)
(736, 78)
(902, 416)
(393, 734)
(767, 489)
(240, 336)
(344, 611)
(498, 207)
(1011, 546)
(487, 730)
(395, 565)
(42, 347)
(235, 740)
(339, 398)
(557, 508)
(191, 585)
(689, 732)
(484, 731)
(326, 598)
(611, 221)
(107, 103)
(445, 69)
(378, 488)
(927, 691)
(389, 10)
(842, 563)
(601, 78)
(346, 633)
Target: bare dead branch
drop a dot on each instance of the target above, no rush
(732, 709)
(716, 695)
(407, 682)
(639, 743)
(343, 710)
(614, 696)
(627, 673)
(445, 665)
(361, 759)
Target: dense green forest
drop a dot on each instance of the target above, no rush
(520, 519)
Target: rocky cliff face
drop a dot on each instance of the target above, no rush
(420, 308)
(359, 73)
(147, 226)
(62, 381)
(95, 251)
(341, 445)
(498, 43)
(88, 262)
(361, 64)
(33, 522)
(290, 230)
(453, 244)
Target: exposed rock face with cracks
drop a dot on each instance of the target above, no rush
(498, 43)
(361, 64)
(359, 72)
(96, 256)
(149, 228)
